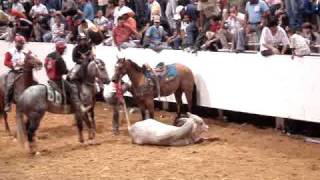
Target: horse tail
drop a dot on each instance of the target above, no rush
(21, 128)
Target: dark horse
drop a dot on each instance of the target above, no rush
(33, 103)
(144, 93)
(23, 80)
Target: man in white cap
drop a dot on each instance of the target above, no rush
(126, 30)
(155, 35)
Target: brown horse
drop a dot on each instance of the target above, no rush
(144, 93)
(23, 80)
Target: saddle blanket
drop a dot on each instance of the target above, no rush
(54, 96)
(165, 71)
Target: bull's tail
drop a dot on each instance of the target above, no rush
(21, 128)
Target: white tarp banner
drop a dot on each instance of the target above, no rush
(274, 86)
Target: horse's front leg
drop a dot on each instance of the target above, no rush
(93, 123)
(78, 118)
(5, 118)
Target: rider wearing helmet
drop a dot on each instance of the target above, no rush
(81, 51)
(56, 67)
(14, 59)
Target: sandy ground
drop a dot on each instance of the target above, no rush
(243, 152)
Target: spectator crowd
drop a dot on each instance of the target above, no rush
(270, 26)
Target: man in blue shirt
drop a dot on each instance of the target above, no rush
(256, 13)
(87, 10)
(155, 34)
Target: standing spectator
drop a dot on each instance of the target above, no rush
(274, 6)
(17, 6)
(125, 31)
(235, 23)
(207, 9)
(257, 12)
(39, 14)
(140, 13)
(294, 10)
(155, 35)
(155, 8)
(38, 10)
(170, 12)
(298, 44)
(87, 10)
(274, 39)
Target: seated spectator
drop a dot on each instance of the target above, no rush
(298, 44)
(311, 36)
(155, 36)
(91, 31)
(57, 30)
(121, 7)
(274, 39)
(125, 31)
(4, 18)
(207, 9)
(257, 12)
(212, 42)
(188, 32)
(101, 22)
(18, 7)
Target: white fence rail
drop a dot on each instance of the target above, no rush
(274, 86)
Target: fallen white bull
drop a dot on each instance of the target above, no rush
(153, 132)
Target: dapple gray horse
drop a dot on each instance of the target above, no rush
(33, 103)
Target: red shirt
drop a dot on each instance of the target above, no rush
(122, 33)
(215, 26)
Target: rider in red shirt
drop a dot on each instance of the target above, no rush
(56, 67)
(14, 59)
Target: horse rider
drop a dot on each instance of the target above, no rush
(14, 59)
(82, 51)
(82, 54)
(56, 67)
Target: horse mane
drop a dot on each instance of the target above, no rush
(135, 66)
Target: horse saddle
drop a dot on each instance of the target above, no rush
(166, 72)
(57, 98)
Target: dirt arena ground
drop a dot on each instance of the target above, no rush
(243, 152)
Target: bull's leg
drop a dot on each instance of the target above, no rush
(78, 119)
(31, 127)
(5, 118)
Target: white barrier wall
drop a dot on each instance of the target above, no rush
(274, 86)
